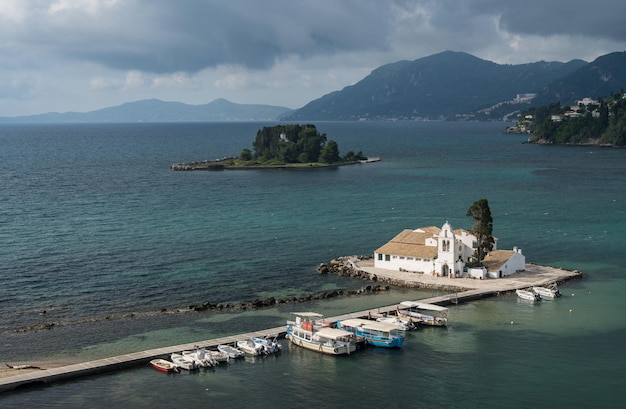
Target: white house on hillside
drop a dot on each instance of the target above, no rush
(444, 252)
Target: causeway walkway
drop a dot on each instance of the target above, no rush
(469, 289)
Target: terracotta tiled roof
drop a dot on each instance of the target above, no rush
(411, 243)
(496, 259)
(408, 250)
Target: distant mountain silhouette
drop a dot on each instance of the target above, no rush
(443, 85)
(448, 85)
(154, 110)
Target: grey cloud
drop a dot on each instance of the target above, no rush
(598, 18)
(165, 36)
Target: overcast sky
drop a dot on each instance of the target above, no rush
(81, 55)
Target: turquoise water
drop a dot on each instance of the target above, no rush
(99, 237)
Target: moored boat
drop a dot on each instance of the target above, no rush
(217, 356)
(231, 351)
(528, 295)
(550, 291)
(164, 365)
(249, 347)
(424, 313)
(269, 345)
(184, 362)
(380, 334)
(201, 358)
(402, 324)
(310, 331)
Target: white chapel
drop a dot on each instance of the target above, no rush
(444, 252)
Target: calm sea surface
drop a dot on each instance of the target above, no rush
(103, 243)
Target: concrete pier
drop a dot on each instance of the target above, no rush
(469, 289)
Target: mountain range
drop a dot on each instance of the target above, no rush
(447, 85)
(154, 110)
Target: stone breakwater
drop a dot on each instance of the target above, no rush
(272, 301)
(211, 306)
(348, 267)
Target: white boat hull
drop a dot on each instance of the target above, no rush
(547, 292)
(528, 295)
(321, 347)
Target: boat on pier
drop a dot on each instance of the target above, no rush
(550, 291)
(380, 334)
(310, 331)
(528, 295)
(164, 365)
(424, 313)
(230, 350)
(184, 362)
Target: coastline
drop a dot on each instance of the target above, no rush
(363, 268)
(228, 164)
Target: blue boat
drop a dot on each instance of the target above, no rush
(380, 334)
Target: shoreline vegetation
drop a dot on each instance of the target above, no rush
(600, 123)
(283, 147)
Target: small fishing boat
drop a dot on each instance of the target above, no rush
(423, 313)
(528, 295)
(184, 362)
(164, 365)
(231, 351)
(269, 345)
(217, 356)
(250, 347)
(403, 325)
(201, 357)
(310, 331)
(550, 291)
(380, 334)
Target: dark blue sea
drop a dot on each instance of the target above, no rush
(103, 250)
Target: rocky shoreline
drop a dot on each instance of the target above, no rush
(229, 163)
(347, 267)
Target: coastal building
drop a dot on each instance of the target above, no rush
(445, 252)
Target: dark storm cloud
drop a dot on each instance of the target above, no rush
(164, 36)
(584, 18)
(167, 36)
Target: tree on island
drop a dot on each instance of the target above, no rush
(330, 153)
(295, 144)
(483, 227)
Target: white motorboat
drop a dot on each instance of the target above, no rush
(249, 347)
(550, 291)
(201, 357)
(217, 356)
(528, 295)
(183, 361)
(310, 331)
(270, 345)
(403, 325)
(231, 351)
(423, 313)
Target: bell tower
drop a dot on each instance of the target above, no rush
(446, 250)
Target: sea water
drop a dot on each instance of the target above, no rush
(107, 248)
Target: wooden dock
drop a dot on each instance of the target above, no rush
(47, 376)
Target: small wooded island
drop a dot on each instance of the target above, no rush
(283, 147)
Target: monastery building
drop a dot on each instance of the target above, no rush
(445, 252)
